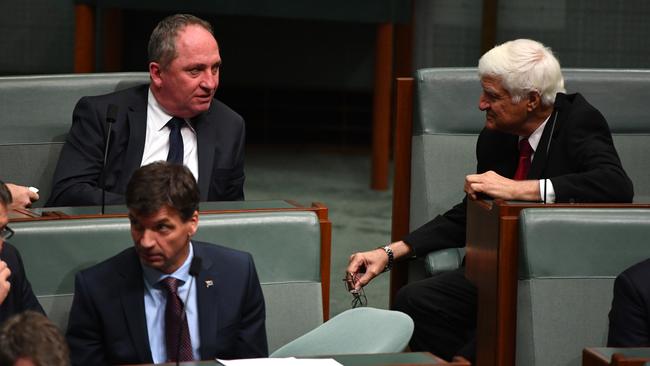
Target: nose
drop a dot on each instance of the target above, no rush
(210, 81)
(146, 239)
(482, 103)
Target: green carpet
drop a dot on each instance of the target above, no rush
(360, 217)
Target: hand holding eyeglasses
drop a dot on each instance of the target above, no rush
(359, 296)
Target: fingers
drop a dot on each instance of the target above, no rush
(22, 196)
(364, 279)
(5, 285)
(5, 272)
(33, 194)
(365, 266)
(356, 261)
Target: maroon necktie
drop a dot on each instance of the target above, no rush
(173, 315)
(525, 152)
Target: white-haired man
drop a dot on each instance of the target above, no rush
(538, 144)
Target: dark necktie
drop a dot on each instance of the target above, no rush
(525, 152)
(175, 329)
(175, 154)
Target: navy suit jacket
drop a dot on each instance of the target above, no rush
(78, 177)
(107, 322)
(576, 153)
(20, 297)
(629, 318)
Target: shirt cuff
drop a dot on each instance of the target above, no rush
(546, 188)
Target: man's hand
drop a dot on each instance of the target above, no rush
(496, 186)
(365, 266)
(5, 285)
(22, 196)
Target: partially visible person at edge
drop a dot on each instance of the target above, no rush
(16, 293)
(31, 339)
(629, 317)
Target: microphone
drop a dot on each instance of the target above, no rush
(195, 269)
(111, 115)
(548, 146)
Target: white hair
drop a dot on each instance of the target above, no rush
(522, 66)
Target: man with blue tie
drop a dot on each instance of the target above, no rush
(158, 301)
(175, 118)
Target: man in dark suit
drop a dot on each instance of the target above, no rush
(538, 144)
(16, 293)
(136, 306)
(175, 118)
(629, 318)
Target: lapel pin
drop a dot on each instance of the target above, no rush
(208, 283)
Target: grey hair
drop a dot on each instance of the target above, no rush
(162, 42)
(524, 66)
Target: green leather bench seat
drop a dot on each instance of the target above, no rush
(568, 260)
(284, 245)
(36, 116)
(447, 121)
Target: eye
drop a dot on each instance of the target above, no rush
(163, 228)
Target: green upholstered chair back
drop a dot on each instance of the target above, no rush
(568, 260)
(36, 116)
(355, 331)
(447, 121)
(54, 251)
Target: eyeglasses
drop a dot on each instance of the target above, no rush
(6, 233)
(358, 295)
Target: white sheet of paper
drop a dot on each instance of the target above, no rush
(290, 361)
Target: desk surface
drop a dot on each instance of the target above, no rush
(383, 359)
(635, 352)
(121, 210)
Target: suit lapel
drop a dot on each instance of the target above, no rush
(205, 140)
(540, 159)
(132, 296)
(137, 122)
(206, 294)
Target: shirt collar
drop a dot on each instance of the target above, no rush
(153, 276)
(159, 117)
(534, 137)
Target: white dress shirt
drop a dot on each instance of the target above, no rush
(156, 142)
(155, 300)
(545, 185)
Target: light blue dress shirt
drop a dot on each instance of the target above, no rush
(155, 299)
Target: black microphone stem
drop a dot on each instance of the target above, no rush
(111, 115)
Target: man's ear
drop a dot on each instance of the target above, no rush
(534, 100)
(154, 73)
(194, 223)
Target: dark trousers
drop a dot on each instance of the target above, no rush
(443, 308)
